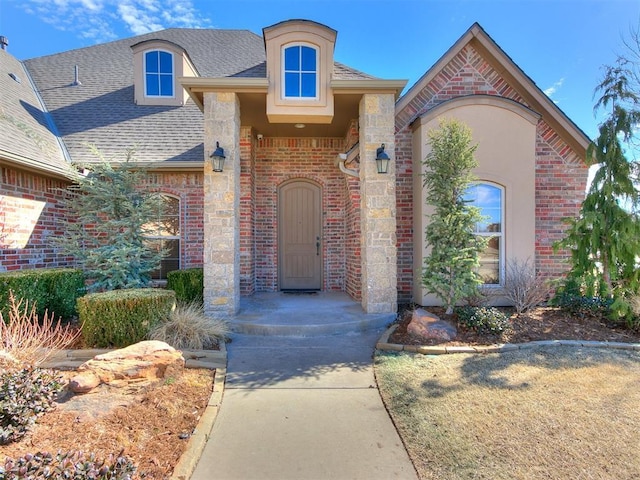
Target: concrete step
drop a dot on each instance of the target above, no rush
(309, 325)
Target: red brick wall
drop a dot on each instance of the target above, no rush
(24, 244)
(560, 188)
(560, 175)
(247, 211)
(404, 214)
(353, 266)
(282, 159)
(30, 214)
(353, 261)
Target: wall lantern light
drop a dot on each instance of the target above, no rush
(217, 158)
(382, 160)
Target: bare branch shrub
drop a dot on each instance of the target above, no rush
(524, 286)
(188, 327)
(29, 340)
(482, 297)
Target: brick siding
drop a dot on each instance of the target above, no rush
(25, 244)
(277, 161)
(247, 211)
(30, 214)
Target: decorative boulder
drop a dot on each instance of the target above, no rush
(144, 361)
(429, 326)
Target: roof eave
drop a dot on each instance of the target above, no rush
(196, 86)
(177, 166)
(21, 162)
(368, 85)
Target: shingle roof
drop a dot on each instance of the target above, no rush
(26, 134)
(102, 111)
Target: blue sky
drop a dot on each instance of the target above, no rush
(560, 44)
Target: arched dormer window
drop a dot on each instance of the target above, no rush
(157, 65)
(489, 198)
(300, 71)
(158, 74)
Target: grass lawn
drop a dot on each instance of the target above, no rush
(547, 413)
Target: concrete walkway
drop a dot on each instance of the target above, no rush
(303, 408)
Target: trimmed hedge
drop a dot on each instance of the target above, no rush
(122, 317)
(52, 289)
(188, 284)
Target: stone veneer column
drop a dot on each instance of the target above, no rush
(221, 256)
(378, 206)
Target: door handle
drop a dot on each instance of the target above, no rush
(318, 246)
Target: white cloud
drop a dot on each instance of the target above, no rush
(549, 92)
(138, 20)
(104, 20)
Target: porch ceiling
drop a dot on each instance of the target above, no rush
(253, 113)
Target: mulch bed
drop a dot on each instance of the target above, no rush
(542, 323)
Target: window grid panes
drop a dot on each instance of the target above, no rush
(165, 235)
(158, 74)
(489, 199)
(300, 72)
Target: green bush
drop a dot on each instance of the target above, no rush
(584, 306)
(188, 284)
(52, 289)
(24, 395)
(122, 317)
(483, 319)
(71, 465)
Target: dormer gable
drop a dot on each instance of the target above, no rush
(157, 66)
(299, 70)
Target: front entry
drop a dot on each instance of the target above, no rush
(300, 236)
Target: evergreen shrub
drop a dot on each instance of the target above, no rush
(484, 320)
(52, 289)
(188, 284)
(120, 318)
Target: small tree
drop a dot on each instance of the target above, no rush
(110, 216)
(604, 240)
(450, 269)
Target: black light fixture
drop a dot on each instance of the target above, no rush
(382, 160)
(217, 158)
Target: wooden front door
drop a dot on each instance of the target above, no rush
(299, 236)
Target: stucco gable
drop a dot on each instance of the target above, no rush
(475, 65)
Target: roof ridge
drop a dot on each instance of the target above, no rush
(147, 35)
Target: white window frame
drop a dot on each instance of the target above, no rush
(300, 72)
(500, 235)
(173, 73)
(169, 237)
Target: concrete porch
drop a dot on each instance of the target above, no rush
(304, 315)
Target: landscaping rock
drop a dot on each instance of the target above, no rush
(429, 326)
(145, 361)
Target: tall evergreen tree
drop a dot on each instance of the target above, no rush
(604, 240)
(450, 269)
(110, 214)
